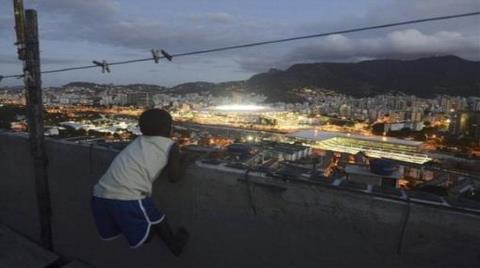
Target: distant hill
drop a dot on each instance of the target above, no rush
(144, 87)
(223, 88)
(81, 84)
(424, 77)
(192, 87)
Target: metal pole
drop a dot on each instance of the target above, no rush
(34, 105)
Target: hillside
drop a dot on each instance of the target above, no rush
(424, 77)
(213, 88)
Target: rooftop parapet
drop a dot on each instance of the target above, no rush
(240, 221)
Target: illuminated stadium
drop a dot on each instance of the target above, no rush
(249, 116)
(241, 108)
(373, 146)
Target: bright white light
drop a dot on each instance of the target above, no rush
(250, 138)
(240, 107)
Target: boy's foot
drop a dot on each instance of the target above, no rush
(180, 240)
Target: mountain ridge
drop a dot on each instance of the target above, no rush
(423, 77)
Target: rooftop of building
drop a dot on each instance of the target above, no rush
(317, 135)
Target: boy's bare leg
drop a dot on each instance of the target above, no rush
(175, 242)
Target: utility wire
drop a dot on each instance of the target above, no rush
(206, 51)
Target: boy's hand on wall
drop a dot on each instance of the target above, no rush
(187, 158)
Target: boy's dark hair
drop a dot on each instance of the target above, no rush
(155, 122)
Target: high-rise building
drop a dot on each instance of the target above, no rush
(459, 123)
(475, 104)
(415, 116)
(466, 123)
(141, 99)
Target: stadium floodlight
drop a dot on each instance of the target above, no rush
(240, 107)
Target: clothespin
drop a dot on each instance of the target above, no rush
(102, 64)
(155, 55)
(166, 55)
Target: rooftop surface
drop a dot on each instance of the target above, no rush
(317, 135)
(373, 146)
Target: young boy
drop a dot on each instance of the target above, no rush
(121, 201)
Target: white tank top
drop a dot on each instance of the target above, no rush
(133, 171)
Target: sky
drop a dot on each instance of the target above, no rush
(75, 32)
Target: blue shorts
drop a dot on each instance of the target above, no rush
(132, 218)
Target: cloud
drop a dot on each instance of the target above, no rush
(101, 22)
(88, 11)
(382, 12)
(5, 23)
(12, 59)
(402, 44)
(434, 7)
(9, 59)
(220, 17)
(60, 61)
(413, 42)
(116, 30)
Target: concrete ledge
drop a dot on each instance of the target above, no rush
(283, 223)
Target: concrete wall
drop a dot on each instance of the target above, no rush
(284, 224)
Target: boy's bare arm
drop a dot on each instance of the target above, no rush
(175, 168)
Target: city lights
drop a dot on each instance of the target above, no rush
(240, 107)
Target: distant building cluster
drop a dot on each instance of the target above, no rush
(459, 116)
(465, 124)
(90, 96)
(391, 108)
(12, 97)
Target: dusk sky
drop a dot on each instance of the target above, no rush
(75, 32)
